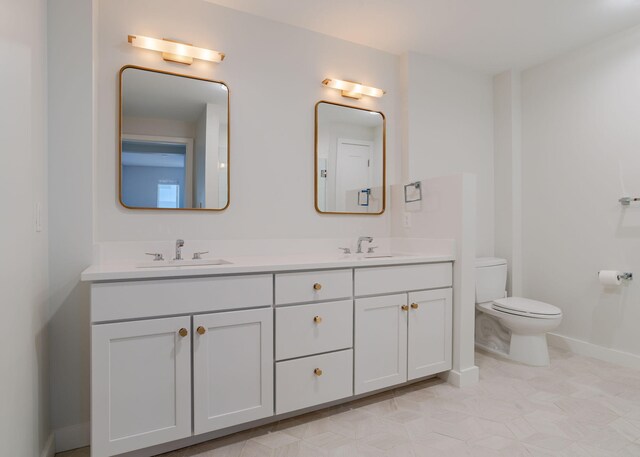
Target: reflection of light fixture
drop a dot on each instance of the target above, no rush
(353, 90)
(223, 165)
(175, 51)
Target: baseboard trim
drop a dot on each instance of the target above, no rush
(73, 437)
(49, 449)
(576, 346)
(465, 378)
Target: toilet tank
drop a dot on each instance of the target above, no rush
(491, 279)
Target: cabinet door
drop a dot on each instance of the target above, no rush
(380, 342)
(430, 329)
(140, 384)
(232, 368)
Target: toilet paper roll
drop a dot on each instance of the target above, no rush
(609, 278)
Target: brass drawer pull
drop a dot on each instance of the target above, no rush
(414, 306)
(317, 372)
(317, 319)
(201, 330)
(183, 332)
(404, 308)
(317, 286)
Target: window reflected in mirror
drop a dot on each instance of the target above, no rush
(174, 134)
(349, 159)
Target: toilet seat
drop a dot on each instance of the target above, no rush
(525, 307)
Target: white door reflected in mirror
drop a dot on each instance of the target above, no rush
(350, 160)
(174, 141)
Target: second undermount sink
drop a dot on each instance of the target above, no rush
(181, 263)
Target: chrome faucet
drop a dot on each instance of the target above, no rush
(179, 245)
(360, 240)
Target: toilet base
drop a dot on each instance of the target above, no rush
(529, 349)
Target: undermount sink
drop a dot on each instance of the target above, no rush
(181, 263)
(382, 256)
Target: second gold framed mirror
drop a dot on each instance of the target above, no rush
(350, 159)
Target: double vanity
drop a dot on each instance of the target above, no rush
(181, 351)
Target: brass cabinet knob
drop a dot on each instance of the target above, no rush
(317, 286)
(414, 306)
(317, 319)
(183, 332)
(317, 372)
(201, 330)
(404, 308)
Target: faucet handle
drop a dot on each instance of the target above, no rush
(198, 255)
(372, 249)
(346, 250)
(156, 256)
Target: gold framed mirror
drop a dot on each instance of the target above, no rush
(173, 151)
(350, 160)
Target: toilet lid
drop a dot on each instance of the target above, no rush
(526, 307)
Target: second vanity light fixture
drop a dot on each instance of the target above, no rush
(352, 89)
(175, 51)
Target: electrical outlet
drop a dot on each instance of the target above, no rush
(406, 221)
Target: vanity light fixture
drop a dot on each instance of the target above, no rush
(175, 51)
(352, 89)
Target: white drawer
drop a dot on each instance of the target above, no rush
(298, 385)
(310, 329)
(313, 286)
(402, 278)
(136, 299)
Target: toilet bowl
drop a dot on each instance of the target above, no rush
(514, 327)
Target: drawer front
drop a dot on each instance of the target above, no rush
(299, 386)
(136, 299)
(310, 329)
(387, 280)
(313, 286)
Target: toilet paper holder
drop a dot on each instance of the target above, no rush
(624, 275)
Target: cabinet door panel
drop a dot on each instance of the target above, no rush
(380, 342)
(141, 384)
(233, 368)
(430, 329)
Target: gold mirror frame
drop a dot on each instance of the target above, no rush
(228, 167)
(384, 160)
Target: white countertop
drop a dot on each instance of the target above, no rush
(247, 264)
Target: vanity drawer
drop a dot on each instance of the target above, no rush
(310, 329)
(313, 286)
(402, 278)
(299, 385)
(136, 299)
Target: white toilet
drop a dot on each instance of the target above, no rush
(513, 327)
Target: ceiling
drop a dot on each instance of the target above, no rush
(486, 35)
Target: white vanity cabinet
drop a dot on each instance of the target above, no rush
(143, 365)
(206, 355)
(401, 337)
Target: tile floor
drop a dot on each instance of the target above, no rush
(577, 407)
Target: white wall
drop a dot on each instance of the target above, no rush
(580, 139)
(507, 138)
(24, 396)
(274, 75)
(70, 74)
(448, 128)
